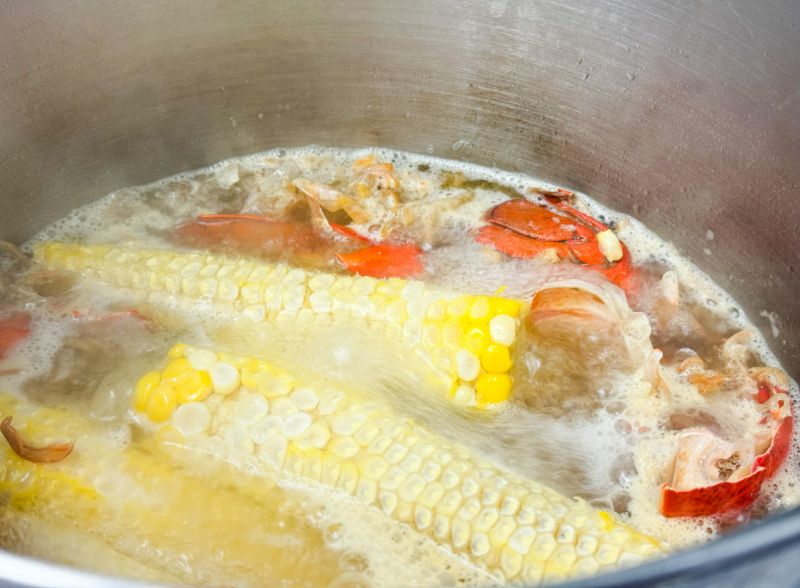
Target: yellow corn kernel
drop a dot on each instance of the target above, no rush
(161, 403)
(436, 311)
(177, 350)
(492, 388)
(273, 384)
(249, 373)
(476, 339)
(496, 359)
(147, 383)
(235, 360)
(452, 331)
(175, 369)
(193, 386)
(505, 306)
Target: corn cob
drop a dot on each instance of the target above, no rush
(269, 422)
(468, 339)
(120, 496)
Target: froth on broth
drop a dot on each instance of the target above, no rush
(324, 367)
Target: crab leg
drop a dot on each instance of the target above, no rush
(247, 233)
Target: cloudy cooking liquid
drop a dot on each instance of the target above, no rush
(615, 464)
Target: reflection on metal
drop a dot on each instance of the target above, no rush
(684, 114)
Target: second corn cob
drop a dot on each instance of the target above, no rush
(120, 496)
(270, 422)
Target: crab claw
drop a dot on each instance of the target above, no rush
(617, 270)
(13, 329)
(619, 273)
(384, 261)
(585, 248)
(246, 233)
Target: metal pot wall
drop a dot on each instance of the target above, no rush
(686, 115)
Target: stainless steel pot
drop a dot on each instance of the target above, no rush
(686, 115)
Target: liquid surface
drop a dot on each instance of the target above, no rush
(586, 416)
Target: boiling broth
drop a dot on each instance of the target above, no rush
(590, 429)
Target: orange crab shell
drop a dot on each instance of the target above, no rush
(384, 261)
(247, 233)
(730, 496)
(532, 220)
(13, 329)
(523, 229)
(517, 245)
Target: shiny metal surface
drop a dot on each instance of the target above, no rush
(686, 115)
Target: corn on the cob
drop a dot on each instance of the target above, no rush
(468, 339)
(120, 496)
(273, 422)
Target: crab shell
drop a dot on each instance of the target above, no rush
(730, 496)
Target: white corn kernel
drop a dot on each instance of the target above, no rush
(249, 409)
(237, 439)
(273, 450)
(274, 385)
(296, 424)
(479, 308)
(191, 418)
(372, 466)
(468, 366)
(520, 541)
(327, 405)
(321, 282)
(224, 378)
(320, 301)
(315, 437)
(304, 399)
(255, 312)
(609, 245)
(464, 395)
(348, 424)
(265, 429)
(503, 329)
(202, 359)
(480, 544)
(294, 276)
(344, 447)
(283, 408)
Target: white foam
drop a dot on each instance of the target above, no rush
(141, 213)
